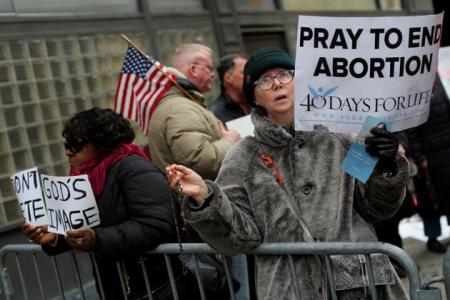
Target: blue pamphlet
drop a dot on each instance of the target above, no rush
(358, 163)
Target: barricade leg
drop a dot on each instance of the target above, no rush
(22, 280)
(171, 277)
(36, 269)
(228, 275)
(294, 277)
(78, 277)
(147, 282)
(6, 282)
(373, 290)
(122, 280)
(446, 273)
(330, 277)
(199, 280)
(97, 274)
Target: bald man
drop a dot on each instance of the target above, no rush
(182, 130)
(195, 62)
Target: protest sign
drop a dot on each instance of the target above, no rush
(350, 67)
(70, 203)
(243, 125)
(28, 191)
(444, 68)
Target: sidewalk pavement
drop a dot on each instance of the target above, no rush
(429, 264)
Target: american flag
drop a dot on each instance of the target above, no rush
(141, 85)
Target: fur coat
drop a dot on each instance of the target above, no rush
(302, 196)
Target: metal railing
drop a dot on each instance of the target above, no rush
(445, 277)
(417, 291)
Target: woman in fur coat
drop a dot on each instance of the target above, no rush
(287, 186)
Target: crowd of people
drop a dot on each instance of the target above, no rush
(279, 185)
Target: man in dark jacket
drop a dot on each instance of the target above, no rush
(231, 104)
(430, 147)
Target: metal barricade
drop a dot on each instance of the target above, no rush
(325, 249)
(445, 277)
(446, 272)
(28, 273)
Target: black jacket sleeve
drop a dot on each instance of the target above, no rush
(60, 247)
(147, 220)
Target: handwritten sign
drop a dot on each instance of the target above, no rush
(62, 203)
(28, 190)
(349, 68)
(70, 203)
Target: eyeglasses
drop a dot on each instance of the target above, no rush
(74, 148)
(284, 77)
(209, 67)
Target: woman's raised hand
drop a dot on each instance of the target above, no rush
(186, 181)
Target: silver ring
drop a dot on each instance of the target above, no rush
(79, 241)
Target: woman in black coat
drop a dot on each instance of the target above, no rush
(133, 200)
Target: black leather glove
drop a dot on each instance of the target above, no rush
(383, 144)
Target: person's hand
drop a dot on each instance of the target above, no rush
(423, 164)
(383, 144)
(186, 181)
(231, 134)
(38, 234)
(401, 149)
(425, 177)
(82, 240)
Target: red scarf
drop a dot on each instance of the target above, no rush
(97, 167)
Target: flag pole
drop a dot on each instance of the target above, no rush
(152, 61)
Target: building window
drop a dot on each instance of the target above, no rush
(175, 6)
(330, 5)
(258, 5)
(391, 5)
(6, 6)
(72, 7)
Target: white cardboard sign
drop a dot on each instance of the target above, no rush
(61, 202)
(70, 203)
(243, 125)
(27, 186)
(352, 67)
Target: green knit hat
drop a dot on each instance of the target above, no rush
(260, 61)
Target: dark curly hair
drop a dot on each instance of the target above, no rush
(101, 127)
